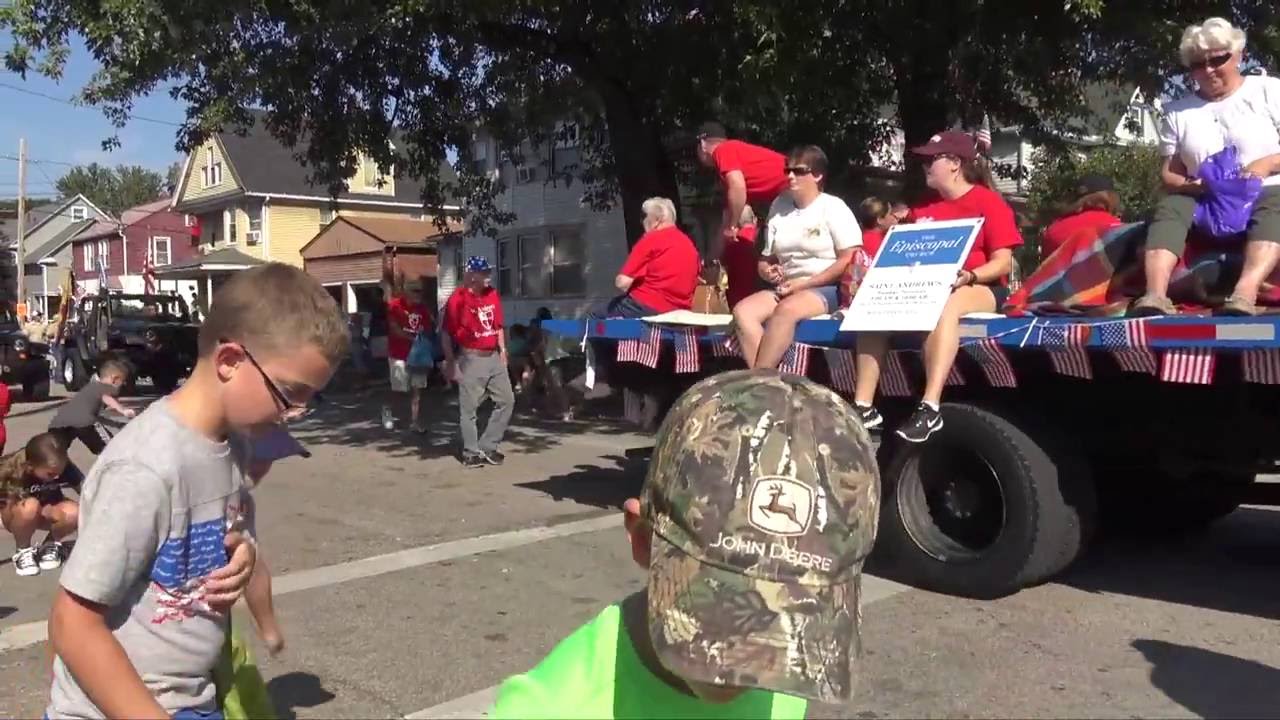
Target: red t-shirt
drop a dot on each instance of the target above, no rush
(410, 317)
(1066, 227)
(871, 241)
(665, 266)
(474, 320)
(999, 229)
(739, 261)
(761, 167)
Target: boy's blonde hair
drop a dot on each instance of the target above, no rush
(275, 308)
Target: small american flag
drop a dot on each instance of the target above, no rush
(982, 137)
(893, 379)
(149, 273)
(1262, 365)
(995, 364)
(796, 361)
(841, 367)
(1127, 342)
(954, 377)
(642, 350)
(1066, 346)
(686, 342)
(726, 346)
(1188, 365)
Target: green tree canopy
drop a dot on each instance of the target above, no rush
(113, 189)
(335, 79)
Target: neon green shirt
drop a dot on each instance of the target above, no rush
(596, 673)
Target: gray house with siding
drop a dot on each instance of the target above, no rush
(48, 250)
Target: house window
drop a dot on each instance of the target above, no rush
(526, 174)
(567, 251)
(229, 220)
(255, 223)
(480, 157)
(373, 178)
(160, 251)
(534, 278)
(89, 265)
(212, 174)
(506, 263)
(104, 253)
(79, 212)
(566, 135)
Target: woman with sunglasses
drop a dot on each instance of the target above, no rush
(1226, 109)
(810, 239)
(962, 183)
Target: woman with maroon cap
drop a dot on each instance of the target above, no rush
(961, 183)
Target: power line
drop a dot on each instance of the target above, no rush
(38, 162)
(81, 105)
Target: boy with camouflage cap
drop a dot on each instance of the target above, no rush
(760, 505)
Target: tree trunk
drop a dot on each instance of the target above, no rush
(643, 168)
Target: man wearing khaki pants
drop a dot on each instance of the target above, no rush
(475, 351)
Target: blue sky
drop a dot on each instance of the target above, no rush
(61, 133)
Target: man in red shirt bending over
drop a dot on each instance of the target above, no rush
(751, 175)
(475, 352)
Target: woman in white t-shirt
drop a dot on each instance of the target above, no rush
(810, 239)
(1226, 109)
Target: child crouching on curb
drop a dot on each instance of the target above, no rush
(31, 499)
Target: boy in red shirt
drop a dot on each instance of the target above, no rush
(407, 316)
(751, 175)
(475, 352)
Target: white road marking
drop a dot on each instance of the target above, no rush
(32, 633)
(477, 704)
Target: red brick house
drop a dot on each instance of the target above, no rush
(123, 249)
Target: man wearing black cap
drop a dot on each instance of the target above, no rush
(752, 175)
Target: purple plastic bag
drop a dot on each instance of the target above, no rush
(1224, 208)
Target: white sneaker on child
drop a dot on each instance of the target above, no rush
(50, 555)
(24, 562)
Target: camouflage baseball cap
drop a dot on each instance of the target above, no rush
(763, 495)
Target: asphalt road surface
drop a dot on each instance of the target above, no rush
(409, 587)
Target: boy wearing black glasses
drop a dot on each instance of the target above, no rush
(165, 548)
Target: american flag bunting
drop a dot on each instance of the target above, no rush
(1188, 365)
(686, 342)
(995, 364)
(1261, 366)
(954, 376)
(642, 350)
(726, 346)
(893, 376)
(1128, 344)
(796, 361)
(1067, 351)
(840, 365)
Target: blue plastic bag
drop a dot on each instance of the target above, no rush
(1227, 203)
(421, 353)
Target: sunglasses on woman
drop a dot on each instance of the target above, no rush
(797, 170)
(1210, 63)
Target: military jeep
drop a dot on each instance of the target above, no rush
(152, 333)
(23, 361)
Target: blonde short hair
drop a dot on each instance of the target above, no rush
(660, 208)
(1214, 34)
(274, 309)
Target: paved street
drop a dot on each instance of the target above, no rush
(410, 587)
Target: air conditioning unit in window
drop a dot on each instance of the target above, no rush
(526, 174)
(253, 237)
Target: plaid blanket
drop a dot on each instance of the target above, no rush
(1099, 274)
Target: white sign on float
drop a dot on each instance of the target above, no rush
(911, 277)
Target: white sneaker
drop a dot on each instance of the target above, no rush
(24, 562)
(388, 419)
(50, 555)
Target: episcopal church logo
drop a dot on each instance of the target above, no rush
(485, 314)
(780, 506)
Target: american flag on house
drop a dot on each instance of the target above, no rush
(149, 272)
(1128, 343)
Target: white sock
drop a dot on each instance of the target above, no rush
(864, 405)
(931, 405)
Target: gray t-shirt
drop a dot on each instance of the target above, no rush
(83, 407)
(153, 515)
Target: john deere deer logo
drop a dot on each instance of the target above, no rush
(780, 506)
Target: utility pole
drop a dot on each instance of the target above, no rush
(21, 255)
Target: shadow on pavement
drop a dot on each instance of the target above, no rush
(354, 420)
(596, 485)
(297, 690)
(6, 611)
(1211, 684)
(1233, 566)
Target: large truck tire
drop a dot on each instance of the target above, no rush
(73, 373)
(980, 510)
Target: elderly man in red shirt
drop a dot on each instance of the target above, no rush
(751, 175)
(661, 272)
(475, 351)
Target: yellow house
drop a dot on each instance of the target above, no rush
(249, 194)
